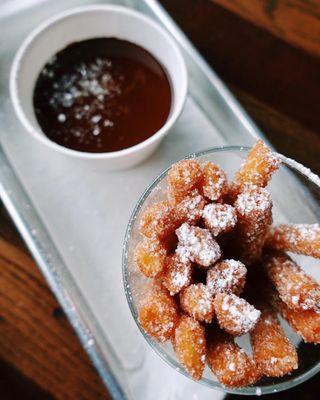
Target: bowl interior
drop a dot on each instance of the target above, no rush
(296, 199)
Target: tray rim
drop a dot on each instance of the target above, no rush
(23, 215)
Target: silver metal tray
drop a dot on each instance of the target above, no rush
(73, 218)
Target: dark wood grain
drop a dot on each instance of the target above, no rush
(35, 336)
(267, 51)
(253, 60)
(286, 134)
(294, 21)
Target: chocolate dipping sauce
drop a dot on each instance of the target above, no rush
(102, 95)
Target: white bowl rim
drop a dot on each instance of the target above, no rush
(32, 37)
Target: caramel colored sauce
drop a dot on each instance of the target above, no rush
(102, 95)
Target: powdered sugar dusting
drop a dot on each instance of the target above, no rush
(183, 177)
(299, 232)
(177, 274)
(253, 199)
(272, 350)
(190, 209)
(197, 245)
(180, 278)
(82, 93)
(157, 220)
(197, 301)
(253, 208)
(235, 315)
(227, 276)
(190, 345)
(305, 324)
(215, 181)
(158, 313)
(232, 366)
(219, 218)
(297, 289)
(258, 167)
(298, 238)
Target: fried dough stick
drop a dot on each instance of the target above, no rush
(297, 289)
(189, 343)
(257, 169)
(253, 208)
(298, 238)
(305, 323)
(272, 351)
(231, 364)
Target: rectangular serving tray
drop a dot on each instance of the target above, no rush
(73, 217)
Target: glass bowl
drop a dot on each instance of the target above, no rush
(295, 191)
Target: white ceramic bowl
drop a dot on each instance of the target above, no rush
(85, 23)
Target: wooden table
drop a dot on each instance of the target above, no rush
(267, 51)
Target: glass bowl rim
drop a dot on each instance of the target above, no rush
(248, 390)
